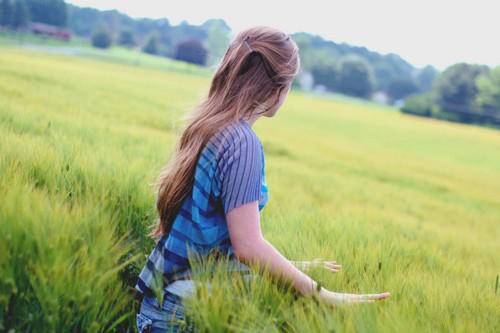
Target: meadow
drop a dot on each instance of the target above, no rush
(405, 204)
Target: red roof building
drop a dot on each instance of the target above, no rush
(49, 30)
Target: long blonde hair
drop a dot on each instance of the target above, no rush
(259, 64)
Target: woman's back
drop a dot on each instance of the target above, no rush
(229, 173)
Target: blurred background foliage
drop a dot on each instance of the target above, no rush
(465, 93)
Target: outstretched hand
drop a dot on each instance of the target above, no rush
(336, 298)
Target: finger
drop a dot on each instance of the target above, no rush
(377, 296)
(362, 301)
(333, 265)
(333, 269)
(350, 301)
(366, 297)
(330, 263)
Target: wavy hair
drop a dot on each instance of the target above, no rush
(259, 64)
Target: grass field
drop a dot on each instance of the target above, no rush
(406, 205)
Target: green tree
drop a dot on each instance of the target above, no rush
(488, 91)
(20, 14)
(217, 40)
(151, 45)
(456, 90)
(5, 12)
(126, 38)
(401, 87)
(305, 50)
(101, 38)
(48, 11)
(426, 77)
(355, 77)
(325, 72)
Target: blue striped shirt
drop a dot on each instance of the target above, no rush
(228, 174)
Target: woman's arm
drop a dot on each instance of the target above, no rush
(250, 246)
(264, 253)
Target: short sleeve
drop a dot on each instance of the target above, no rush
(242, 171)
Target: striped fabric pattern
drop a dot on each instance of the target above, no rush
(228, 174)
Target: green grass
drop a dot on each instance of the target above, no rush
(406, 204)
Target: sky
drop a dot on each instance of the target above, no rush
(436, 32)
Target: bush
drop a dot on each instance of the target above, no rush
(126, 38)
(420, 105)
(101, 38)
(439, 113)
(192, 51)
(151, 46)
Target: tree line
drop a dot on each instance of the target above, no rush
(359, 72)
(189, 50)
(342, 68)
(463, 92)
(467, 93)
(16, 14)
(326, 65)
(199, 44)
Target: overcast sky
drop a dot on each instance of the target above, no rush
(437, 32)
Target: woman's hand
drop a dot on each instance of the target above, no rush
(331, 265)
(334, 298)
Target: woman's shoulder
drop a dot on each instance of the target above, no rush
(236, 136)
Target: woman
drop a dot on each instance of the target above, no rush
(211, 192)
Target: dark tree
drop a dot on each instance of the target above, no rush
(191, 50)
(48, 11)
(5, 12)
(151, 45)
(426, 77)
(101, 38)
(126, 38)
(456, 89)
(488, 95)
(325, 73)
(355, 77)
(20, 14)
(400, 88)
